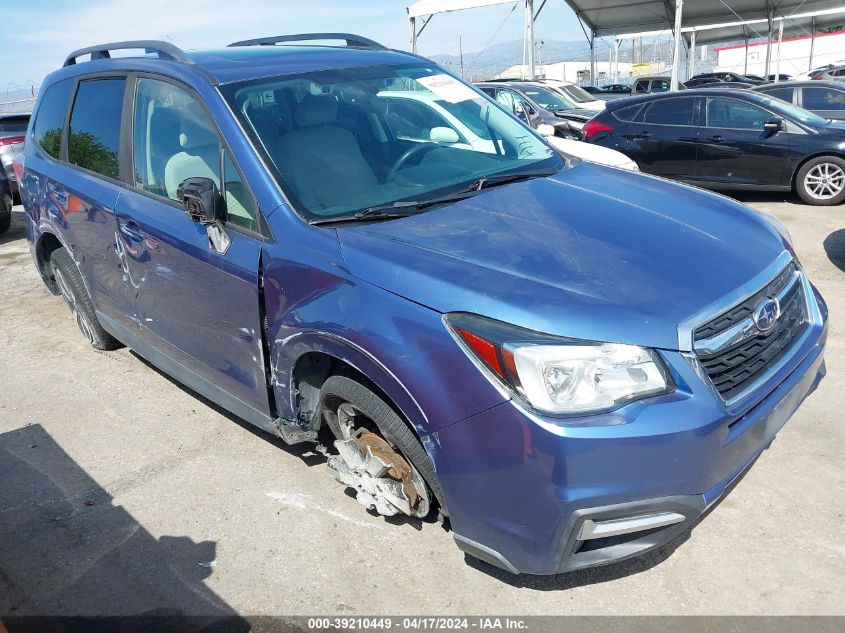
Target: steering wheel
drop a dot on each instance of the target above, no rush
(407, 155)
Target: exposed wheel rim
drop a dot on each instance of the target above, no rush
(825, 181)
(81, 320)
(384, 480)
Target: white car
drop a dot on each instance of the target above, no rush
(587, 151)
(577, 96)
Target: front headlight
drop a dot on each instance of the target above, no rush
(560, 376)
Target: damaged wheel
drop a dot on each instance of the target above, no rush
(378, 455)
(69, 283)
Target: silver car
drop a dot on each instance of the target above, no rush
(12, 133)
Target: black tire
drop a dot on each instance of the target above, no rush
(811, 186)
(391, 426)
(69, 283)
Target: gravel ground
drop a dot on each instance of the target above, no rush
(122, 492)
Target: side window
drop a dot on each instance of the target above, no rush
(642, 86)
(94, 134)
(50, 118)
(823, 99)
(781, 93)
(660, 85)
(629, 113)
(505, 98)
(670, 112)
(240, 209)
(736, 115)
(173, 139)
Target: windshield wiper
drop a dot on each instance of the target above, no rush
(404, 208)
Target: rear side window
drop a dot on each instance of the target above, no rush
(670, 112)
(50, 118)
(823, 99)
(629, 113)
(94, 137)
(642, 86)
(736, 115)
(781, 93)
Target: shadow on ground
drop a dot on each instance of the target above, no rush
(834, 246)
(67, 551)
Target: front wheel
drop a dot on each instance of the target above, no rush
(69, 282)
(821, 181)
(378, 455)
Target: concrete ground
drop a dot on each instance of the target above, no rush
(122, 492)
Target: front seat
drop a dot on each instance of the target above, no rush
(200, 155)
(321, 161)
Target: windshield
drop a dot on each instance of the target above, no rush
(547, 98)
(578, 94)
(347, 140)
(793, 111)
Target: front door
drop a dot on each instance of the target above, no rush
(734, 147)
(198, 304)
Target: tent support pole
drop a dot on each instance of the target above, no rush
(777, 64)
(769, 45)
(745, 33)
(593, 81)
(529, 25)
(812, 42)
(412, 31)
(676, 57)
(691, 62)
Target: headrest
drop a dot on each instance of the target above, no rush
(316, 110)
(194, 130)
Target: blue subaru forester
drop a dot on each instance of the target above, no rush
(348, 245)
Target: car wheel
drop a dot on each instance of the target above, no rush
(69, 283)
(378, 455)
(821, 181)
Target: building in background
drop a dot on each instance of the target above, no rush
(827, 48)
(574, 71)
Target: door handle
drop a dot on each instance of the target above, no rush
(716, 139)
(131, 230)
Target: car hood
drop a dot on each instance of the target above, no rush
(576, 114)
(590, 253)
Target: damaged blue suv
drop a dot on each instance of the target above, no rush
(345, 244)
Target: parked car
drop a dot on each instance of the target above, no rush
(728, 139)
(5, 203)
(817, 71)
(827, 99)
(774, 77)
(535, 104)
(722, 85)
(575, 95)
(729, 76)
(832, 73)
(648, 85)
(591, 89)
(617, 89)
(571, 363)
(12, 129)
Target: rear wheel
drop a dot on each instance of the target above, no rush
(821, 181)
(378, 455)
(69, 283)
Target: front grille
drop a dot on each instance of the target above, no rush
(734, 366)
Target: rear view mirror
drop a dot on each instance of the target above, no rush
(773, 126)
(546, 130)
(444, 135)
(202, 201)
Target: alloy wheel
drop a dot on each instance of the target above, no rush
(825, 181)
(81, 320)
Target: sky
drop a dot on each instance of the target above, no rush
(39, 34)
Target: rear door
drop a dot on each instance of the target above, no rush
(735, 149)
(198, 304)
(825, 101)
(663, 138)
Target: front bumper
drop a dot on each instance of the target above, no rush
(520, 488)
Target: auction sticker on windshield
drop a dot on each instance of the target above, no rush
(448, 88)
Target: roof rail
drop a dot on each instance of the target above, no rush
(165, 50)
(352, 41)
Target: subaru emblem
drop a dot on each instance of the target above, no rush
(766, 314)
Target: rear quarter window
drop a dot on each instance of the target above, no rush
(50, 117)
(628, 114)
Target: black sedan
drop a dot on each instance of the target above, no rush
(727, 76)
(5, 203)
(728, 139)
(825, 98)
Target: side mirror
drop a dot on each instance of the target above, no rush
(202, 201)
(444, 135)
(773, 126)
(546, 130)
